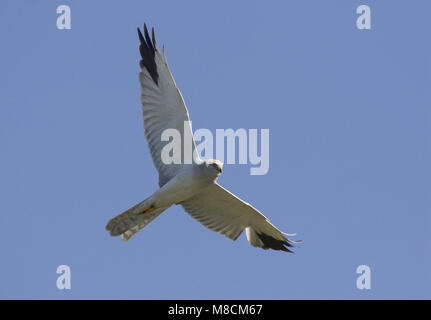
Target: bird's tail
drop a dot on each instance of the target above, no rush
(128, 223)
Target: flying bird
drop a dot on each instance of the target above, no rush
(192, 185)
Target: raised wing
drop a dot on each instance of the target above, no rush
(163, 107)
(223, 212)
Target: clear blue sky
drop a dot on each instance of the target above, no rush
(349, 114)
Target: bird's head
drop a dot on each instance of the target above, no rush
(214, 165)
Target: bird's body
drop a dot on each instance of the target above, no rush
(188, 182)
(191, 184)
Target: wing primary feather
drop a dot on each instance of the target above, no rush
(147, 38)
(275, 244)
(154, 38)
(164, 56)
(141, 38)
(292, 235)
(147, 49)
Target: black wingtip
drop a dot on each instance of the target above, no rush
(147, 38)
(274, 244)
(141, 38)
(147, 48)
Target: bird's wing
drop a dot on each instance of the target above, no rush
(163, 108)
(223, 212)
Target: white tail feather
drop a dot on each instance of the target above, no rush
(128, 223)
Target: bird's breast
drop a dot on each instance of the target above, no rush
(180, 188)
